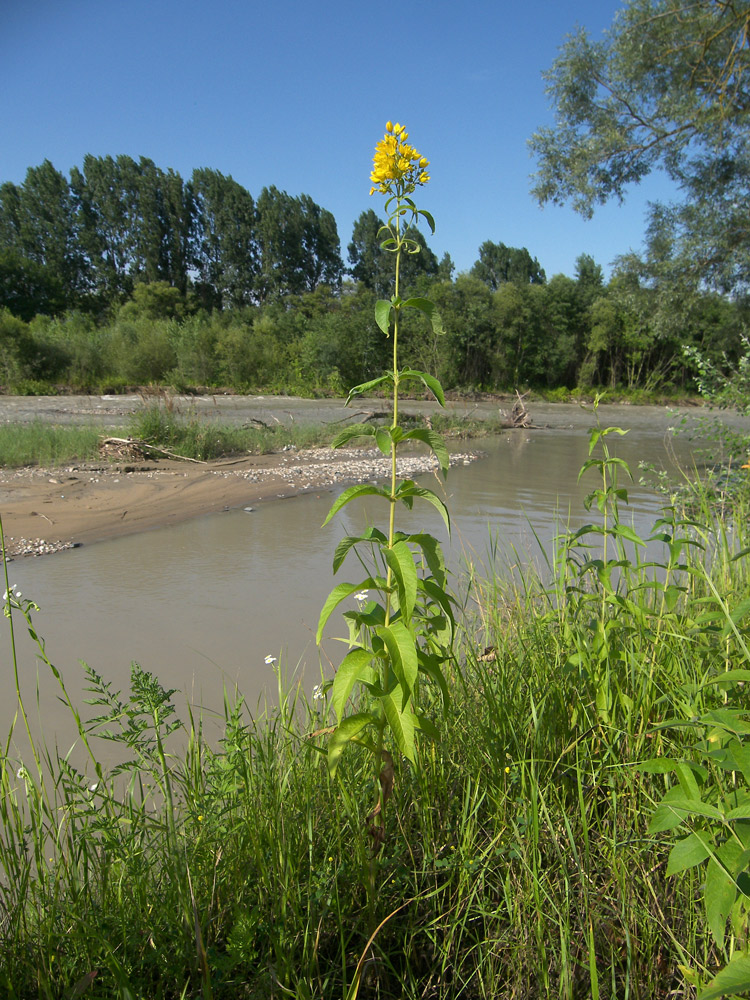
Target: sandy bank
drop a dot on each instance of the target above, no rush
(45, 510)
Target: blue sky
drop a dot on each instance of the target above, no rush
(296, 93)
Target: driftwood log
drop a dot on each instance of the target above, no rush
(519, 415)
(132, 448)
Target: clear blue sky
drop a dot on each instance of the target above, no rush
(296, 93)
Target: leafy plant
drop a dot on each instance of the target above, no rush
(400, 639)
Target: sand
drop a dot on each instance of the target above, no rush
(46, 510)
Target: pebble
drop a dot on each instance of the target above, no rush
(36, 546)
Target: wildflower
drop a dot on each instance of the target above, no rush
(395, 161)
(746, 465)
(93, 788)
(317, 693)
(507, 770)
(362, 596)
(200, 819)
(270, 660)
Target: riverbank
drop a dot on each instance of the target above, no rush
(45, 510)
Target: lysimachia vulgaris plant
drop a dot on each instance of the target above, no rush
(402, 631)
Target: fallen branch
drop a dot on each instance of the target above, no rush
(144, 446)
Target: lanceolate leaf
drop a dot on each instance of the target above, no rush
(337, 595)
(352, 431)
(431, 667)
(428, 219)
(383, 440)
(409, 490)
(428, 308)
(360, 490)
(434, 441)
(719, 895)
(733, 978)
(349, 541)
(357, 390)
(399, 559)
(433, 554)
(343, 734)
(429, 380)
(383, 315)
(402, 652)
(401, 722)
(689, 852)
(356, 666)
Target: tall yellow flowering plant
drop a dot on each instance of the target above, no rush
(400, 638)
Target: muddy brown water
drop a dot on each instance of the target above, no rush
(202, 604)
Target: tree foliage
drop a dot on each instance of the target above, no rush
(666, 88)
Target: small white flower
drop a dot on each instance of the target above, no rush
(317, 693)
(362, 596)
(270, 660)
(93, 788)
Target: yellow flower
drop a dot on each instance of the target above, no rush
(397, 167)
(746, 465)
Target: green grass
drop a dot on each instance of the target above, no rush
(44, 444)
(517, 864)
(39, 443)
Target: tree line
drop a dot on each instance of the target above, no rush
(125, 273)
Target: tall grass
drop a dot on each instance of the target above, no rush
(40, 443)
(517, 862)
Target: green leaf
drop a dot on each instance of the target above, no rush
(424, 725)
(401, 722)
(383, 315)
(372, 534)
(623, 531)
(401, 562)
(659, 765)
(383, 440)
(407, 490)
(429, 309)
(666, 815)
(402, 652)
(356, 666)
(434, 441)
(357, 390)
(429, 381)
(433, 554)
(719, 895)
(352, 431)
(337, 595)
(689, 852)
(428, 219)
(733, 978)
(343, 734)
(431, 667)
(360, 490)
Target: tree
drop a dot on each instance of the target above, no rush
(299, 245)
(38, 221)
(226, 249)
(498, 264)
(667, 88)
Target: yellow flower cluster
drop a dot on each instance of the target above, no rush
(396, 161)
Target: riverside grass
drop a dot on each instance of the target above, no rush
(522, 865)
(43, 444)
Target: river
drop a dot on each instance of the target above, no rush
(202, 604)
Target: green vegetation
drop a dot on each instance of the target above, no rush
(45, 444)
(516, 849)
(161, 424)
